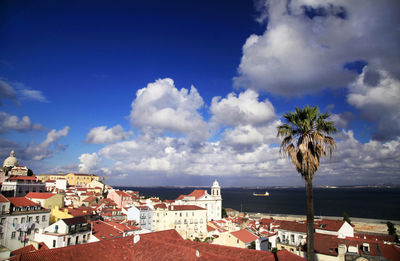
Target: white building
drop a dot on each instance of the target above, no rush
(190, 221)
(19, 186)
(65, 232)
(24, 219)
(143, 215)
(201, 198)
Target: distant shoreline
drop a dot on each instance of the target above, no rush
(299, 217)
(267, 187)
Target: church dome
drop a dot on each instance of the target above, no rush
(11, 161)
(215, 184)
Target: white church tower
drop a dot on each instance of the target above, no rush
(216, 194)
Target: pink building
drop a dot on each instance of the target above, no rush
(121, 198)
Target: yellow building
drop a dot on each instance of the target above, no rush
(46, 200)
(80, 179)
(241, 238)
(46, 177)
(57, 214)
(72, 178)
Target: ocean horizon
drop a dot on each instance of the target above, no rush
(357, 201)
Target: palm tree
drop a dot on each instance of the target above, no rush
(305, 140)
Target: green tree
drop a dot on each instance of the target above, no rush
(346, 217)
(223, 213)
(305, 140)
(252, 245)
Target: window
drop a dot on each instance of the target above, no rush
(2, 221)
(15, 220)
(30, 219)
(54, 243)
(43, 218)
(13, 235)
(23, 220)
(37, 219)
(1, 235)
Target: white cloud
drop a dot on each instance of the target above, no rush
(33, 95)
(6, 91)
(88, 162)
(101, 134)
(378, 98)
(48, 147)
(298, 55)
(342, 120)
(11, 122)
(18, 91)
(160, 108)
(373, 162)
(241, 110)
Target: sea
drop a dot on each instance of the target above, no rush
(362, 202)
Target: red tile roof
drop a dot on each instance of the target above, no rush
(197, 193)
(23, 250)
(39, 195)
(328, 224)
(185, 207)
(102, 230)
(89, 199)
(122, 193)
(293, 226)
(163, 245)
(22, 202)
(162, 205)
(244, 235)
(3, 199)
(22, 178)
(210, 228)
(390, 252)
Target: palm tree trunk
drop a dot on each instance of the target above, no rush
(310, 219)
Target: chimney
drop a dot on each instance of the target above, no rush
(136, 239)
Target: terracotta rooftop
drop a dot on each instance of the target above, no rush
(102, 230)
(197, 193)
(122, 193)
(23, 250)
(3, 199)
(329, 224)
(185, 207)
(39, 195)
(293, 226)
(22, 178)
(162, 245)
(244, 235)
(162, 205)
(22, 202)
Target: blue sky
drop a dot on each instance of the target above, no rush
(185, 92)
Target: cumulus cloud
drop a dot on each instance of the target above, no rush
(101, 135)
(342, 120)
(160, 108)
(362, 163)
(377, 94)
(241, 109)
(11, 122)
(88, 162)
(307, 44)
(48, 147)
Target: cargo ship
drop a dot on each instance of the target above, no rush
(261, 195)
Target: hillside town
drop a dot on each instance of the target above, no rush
(77, 216)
